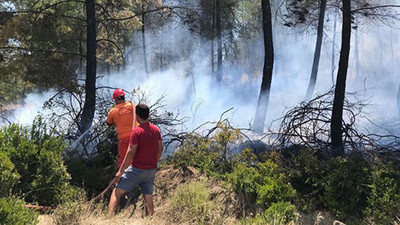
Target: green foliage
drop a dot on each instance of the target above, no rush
(307, 177)
(195, 152)
(191, 203)
(345, 186)
(265, 184)
(280, 213)
(8, 176)
(383, 200)
(348, 187)
(37, 158)
(92, 175)
(210, 155)
(12, 212)
(245, 181)
(274, 186)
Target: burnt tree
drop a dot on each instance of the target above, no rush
(263, 99)
(90, 82)
(340, 88)
(219, 38)
(317, 53)
(146, 68)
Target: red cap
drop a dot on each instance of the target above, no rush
(118, 93)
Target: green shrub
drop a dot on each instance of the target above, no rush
(307, 178)
(37, 158)
(265, 184)
(191, 203)
(8, 176)
(209, 154)
(93, 175)
(12, 212)
(345, 186)
(245, 181)
(274, 185)
(280, 213)
(195, 152)
(383, 199)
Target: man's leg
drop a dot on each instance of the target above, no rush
(114, 199)
(148, 199)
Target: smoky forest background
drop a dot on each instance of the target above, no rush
(291, 106)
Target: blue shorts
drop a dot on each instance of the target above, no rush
(133, 177)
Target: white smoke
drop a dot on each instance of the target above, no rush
(190, 89)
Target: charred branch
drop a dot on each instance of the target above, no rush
(309, 125)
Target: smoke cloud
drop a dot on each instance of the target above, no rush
(189, 87)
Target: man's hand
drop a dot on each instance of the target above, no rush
(117, 177)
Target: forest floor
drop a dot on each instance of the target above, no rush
(166, 183)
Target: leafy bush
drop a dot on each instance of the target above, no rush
(209, 154)
(8, 176)
(191, 203)
(264, 184)
(280, 213)
(195, 152)
(37, 158)
(344, 191)
(12, 212)
(274, 185)
(383, 200)
(307, 176)
(245, 181)
(93, 175)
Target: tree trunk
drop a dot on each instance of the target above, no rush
(144, 41)
(356, 50)
(317, 53)
(219, 37)
(212, 40)
(333, 65)
(90, 83)
(338, 102)
(81, 38)
(263, 99)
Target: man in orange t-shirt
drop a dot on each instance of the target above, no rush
(124, 117)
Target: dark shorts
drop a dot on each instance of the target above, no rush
(133, 177)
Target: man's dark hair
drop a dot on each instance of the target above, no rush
(142, 111)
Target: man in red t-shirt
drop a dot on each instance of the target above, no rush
(124, 118)
(144, 152)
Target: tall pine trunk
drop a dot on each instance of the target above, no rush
(90, 83)
(219, 39)
(317, 53)
(263, 99)
(212, 39)
(356, 50)
(333, 65)
(338, 102)
(144, 41)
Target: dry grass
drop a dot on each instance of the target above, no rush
(224, 204)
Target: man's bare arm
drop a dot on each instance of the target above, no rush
(130, 154)
(160, 150)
